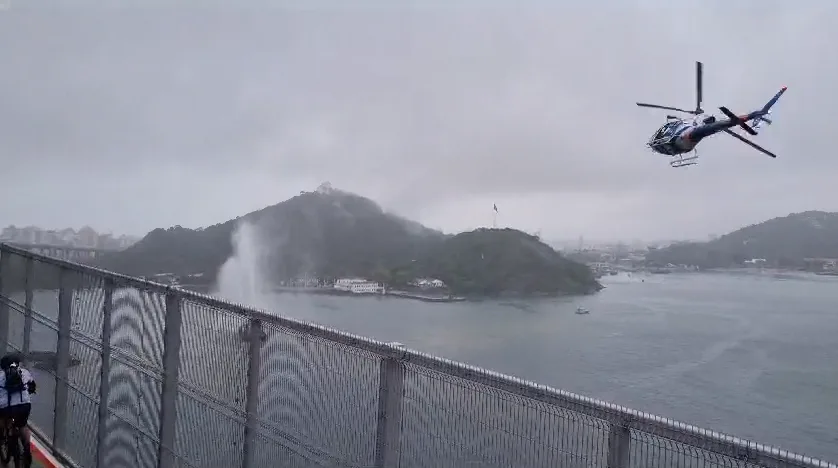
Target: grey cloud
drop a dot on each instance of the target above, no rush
(138, 118)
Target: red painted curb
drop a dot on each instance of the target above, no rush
(42, 455)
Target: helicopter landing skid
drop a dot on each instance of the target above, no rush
(681, 161)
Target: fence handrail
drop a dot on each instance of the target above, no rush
(720, 443)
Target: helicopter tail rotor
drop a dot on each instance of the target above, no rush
(756, 118)
(737, 120)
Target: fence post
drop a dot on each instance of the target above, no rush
(5, 283)
(65, 298)
(29, 282)
(255, 338)
(171, 363)
(104, 372)
(619, 443)
(390, 399)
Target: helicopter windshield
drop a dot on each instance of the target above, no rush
(668, 130)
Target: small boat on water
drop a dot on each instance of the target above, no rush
(582, 311)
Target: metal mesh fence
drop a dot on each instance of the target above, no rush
(134, 374)
(318, 399)
(453, 422)
(214, 364)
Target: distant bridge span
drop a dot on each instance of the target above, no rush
(64, 252)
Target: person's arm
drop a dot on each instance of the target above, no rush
(31, 387)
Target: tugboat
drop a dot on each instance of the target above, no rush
(582, 311)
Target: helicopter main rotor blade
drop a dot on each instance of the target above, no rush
(749, 143)
(655, 106)
(699, 85)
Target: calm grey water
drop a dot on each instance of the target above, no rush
(751, 355)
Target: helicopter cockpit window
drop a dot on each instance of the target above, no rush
(661, 133)
(667, 130)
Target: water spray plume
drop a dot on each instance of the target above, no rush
(242, 278)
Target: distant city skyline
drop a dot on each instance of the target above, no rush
(598, 241)
(64, 228)
(85, 236)
(570, 244)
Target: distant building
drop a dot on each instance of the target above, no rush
(305, 281)
(632, 260)
(125, 241)
(427, 283)
(821, 264)
(359, 286)
(607, 257)
(85, 237)
(67, 235)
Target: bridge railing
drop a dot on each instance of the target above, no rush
(137, 374)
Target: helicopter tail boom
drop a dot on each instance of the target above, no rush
(755, 118)
(766, 109)
(768, 105)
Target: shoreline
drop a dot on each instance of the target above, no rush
(395, 294)
(337, 292)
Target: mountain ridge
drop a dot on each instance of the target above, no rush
(784, 241)
(330, 233)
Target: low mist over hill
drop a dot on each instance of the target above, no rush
(330, 234)
(782, 242)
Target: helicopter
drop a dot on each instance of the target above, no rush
(678, 136)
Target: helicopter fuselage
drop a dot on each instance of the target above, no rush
(678, 136)
(673, 138)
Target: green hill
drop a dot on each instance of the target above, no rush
(782, 242)
(490, 262)
(331, 234)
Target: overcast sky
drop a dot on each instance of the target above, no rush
(134, 118)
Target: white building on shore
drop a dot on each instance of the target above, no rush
(427, 283)
(359, 286)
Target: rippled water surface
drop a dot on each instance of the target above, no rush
(751, 355)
